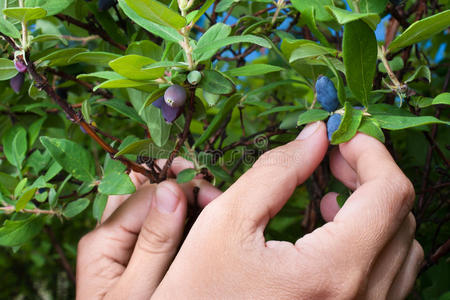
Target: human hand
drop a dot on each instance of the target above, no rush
(366, 250)
(128, 254)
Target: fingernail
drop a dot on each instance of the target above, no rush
(308, 131)
(166, 198)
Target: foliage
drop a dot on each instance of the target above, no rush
(82, 116)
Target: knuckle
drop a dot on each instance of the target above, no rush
(419, 251)
(155, 240)
(411, 224)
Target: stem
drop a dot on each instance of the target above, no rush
(280, 5)
(356, 5)
(394, 80)
(36, 211)
(24, 31)
(185, 33)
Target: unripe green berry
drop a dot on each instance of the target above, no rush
(194, 77)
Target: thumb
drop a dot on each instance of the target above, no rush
(156, 245)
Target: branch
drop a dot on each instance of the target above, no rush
(64, 261)
(92, 29)
(438, 254)
(35, 211)
(42, 84)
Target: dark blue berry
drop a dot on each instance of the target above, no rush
(17, 81)
(175, 96)
(326, 94)
(105, 4)
(333, 124)
(359, 107)
(159, 102)
(170, 113)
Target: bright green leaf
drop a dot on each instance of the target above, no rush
(76, 207)
(312, 115)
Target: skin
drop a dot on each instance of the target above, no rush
(366, 250)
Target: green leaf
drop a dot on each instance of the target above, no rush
(98, 207)
(157, 12)
(349, 125)
(214, 82)
(391, 122)
(306, 50)
(7, 69)
(312, 115)
(309, 17)
(25, 14)
(396, 64)
(49, 37)
(317, 5)
(72, 157)
(421, 30)
(421, 72)
(360, 58)
(131, 66)
(145, 48)
(9, 29)
(76, 207)
(61, 57)
(86, 110)
(207, 51)
(370, 6)
(344, 16)
(148, 148)
(34, 130)
(167, 33)
(122, 108)
(15, 146)
(186, 175)
(16, 233)
(109, 75)
(121, 83)
(52, 7)
(371, 127)
(94, 58)
(202, 10)
(229, 105)
(115, 181)
(159, 129)
(443, 98)
(25, 198)
(20, 186)
(7, 183)
(212, 35)
(219, 173)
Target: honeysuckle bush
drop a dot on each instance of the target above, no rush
(80, 100)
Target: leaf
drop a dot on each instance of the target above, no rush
(421, 30)
(317, 5)
(421, 72)
(312, 115)
(212, 35)
(391, 122)
(167, 33)
(371, 127)
(278, 109)
(20, 186)
(7, 69)
(121, 83)
(370, 6)
(186, 175)
(159, 129)
(76, 207)
(86, 111)
(349, 125)
(219, 173)
(109, 75)
(25, 14)
(123, 109)
(145, 48)
(309, 17)
(34, 130)
(147, 148)
(94, 58)
(8, 183)
(202, 10)
(52, 7)
(16, 233)
(98, 207)
(344, 16)
(9, 29)
(15, 146)
(443, 98)
(310, 50)
(229, 105)
(115, 181)
(131, 66)
(157, 12)
(49, 37)
(61, 57)
(25, 198)
(207, 51)
(214, 82)
(360, 58)
(72, 157)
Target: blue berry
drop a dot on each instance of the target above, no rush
(17, 81)
(326, 94)
(333, 124)
(170, 113)
(175, 96)
(359, 107)
(159, 102)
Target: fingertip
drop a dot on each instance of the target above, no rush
(329, 206)
(169, 197)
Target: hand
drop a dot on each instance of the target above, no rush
(366, 250)
(128, 254)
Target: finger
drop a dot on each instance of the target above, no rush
(374, 212)
(407, 275)
(116, 200)
(261, 192)
(329, 206)
(342, 170)
(391, 260)
(156, 246)
(206, 192)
